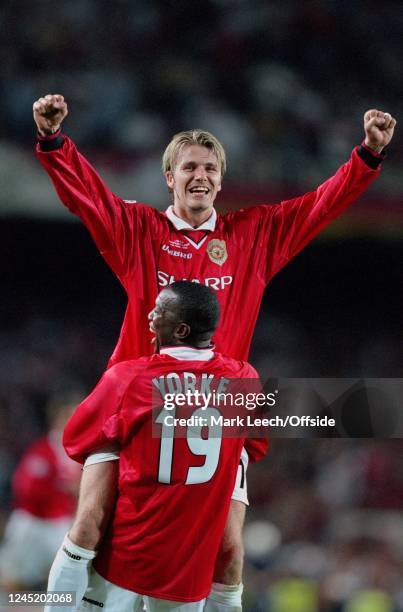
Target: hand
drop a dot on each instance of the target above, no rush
(379, 128)
(49, 113)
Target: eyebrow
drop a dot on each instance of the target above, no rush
(193, 163)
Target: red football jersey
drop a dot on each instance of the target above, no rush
(174, 493)
(46, 481)
(238, 255)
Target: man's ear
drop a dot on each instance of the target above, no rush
(182, 331)
(169, 177)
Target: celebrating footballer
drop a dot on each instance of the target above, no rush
(235, 254)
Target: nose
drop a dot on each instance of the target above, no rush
(150, 315)
(200, 174)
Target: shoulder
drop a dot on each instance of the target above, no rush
(125, 371)
(236, 367)
(250, 216)
(150, 221)
(145, 210)
(249, 370)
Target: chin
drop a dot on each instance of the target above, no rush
(198, 208)
(195, 206)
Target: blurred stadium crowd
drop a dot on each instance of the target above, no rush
(285, 81)
(283, 85)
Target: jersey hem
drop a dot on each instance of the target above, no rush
(156, 594)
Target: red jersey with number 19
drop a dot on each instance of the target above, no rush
(174, 492)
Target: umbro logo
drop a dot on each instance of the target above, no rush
(71, 555)
(176, 253)
(94, 602)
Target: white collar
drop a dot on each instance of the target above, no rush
(180, 224)
(187, 353)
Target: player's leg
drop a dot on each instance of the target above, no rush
(226, 590)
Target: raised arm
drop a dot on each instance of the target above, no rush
(289, 226)
(113, 223)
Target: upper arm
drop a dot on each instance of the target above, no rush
(81, 189)
(114, 224)
(286, 228)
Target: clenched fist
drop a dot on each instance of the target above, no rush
(49, 113)
(379, 128)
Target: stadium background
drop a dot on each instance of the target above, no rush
(284, 86)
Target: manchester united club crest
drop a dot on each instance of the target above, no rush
(217, 251)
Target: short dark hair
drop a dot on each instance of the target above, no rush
(198, 306)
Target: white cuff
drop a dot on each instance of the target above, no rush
(101, 457)
(75, 552)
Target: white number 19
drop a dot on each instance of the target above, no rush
(209, 447)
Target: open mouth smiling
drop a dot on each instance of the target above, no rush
(199, 190)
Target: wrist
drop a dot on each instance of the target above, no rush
(375, 148)
(46, 132)
(371, 157)
(51, 142)
(76, 552)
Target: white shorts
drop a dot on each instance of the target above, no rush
(240, 492)
(29, 547)
(108, 597)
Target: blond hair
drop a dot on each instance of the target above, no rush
(192, 137)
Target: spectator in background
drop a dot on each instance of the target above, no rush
(45, 486)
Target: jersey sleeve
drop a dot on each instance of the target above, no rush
(96, 424)
(256, 448)
(286, 228)
(116, 226)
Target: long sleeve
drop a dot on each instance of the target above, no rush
(114, 224)
(279, 232)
